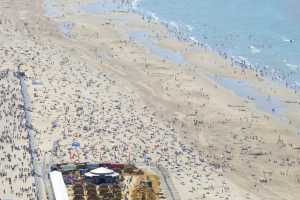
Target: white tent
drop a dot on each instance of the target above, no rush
(59, 186)
(115, 174)
(89, 174)
(102, 171)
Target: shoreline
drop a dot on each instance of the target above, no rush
(255, 80)
(183, 33)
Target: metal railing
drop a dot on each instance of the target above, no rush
(167, 184)
(32, 149)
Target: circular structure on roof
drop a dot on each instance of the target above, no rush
(89, 174)
(102, 170)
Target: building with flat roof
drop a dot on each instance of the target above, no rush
(58, 186)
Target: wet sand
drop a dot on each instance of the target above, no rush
(90, 81)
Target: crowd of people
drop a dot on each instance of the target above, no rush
(125, 110)
(86, 106)
(16, 175)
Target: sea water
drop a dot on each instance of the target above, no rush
(243, 88)
(163, 53)
(264, 32)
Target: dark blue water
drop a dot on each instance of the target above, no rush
(265, 32)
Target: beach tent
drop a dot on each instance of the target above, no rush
(89, 174)
(58, 186)
(102, 171)
(101, 175)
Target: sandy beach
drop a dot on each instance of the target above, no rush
(129, 91)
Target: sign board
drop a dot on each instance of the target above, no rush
(76, 145)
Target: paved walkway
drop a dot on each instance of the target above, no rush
(36, 165)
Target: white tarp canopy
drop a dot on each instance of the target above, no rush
(115, 174)
(89, 174)
(102, 170)
(58, 185)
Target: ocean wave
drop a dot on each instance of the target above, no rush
(135, 3)
(254, 50)
(293, 67)
(174, 24)
(184, 32)
(285, 39)
(194, 40)
(149, 16)
(190, 28)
